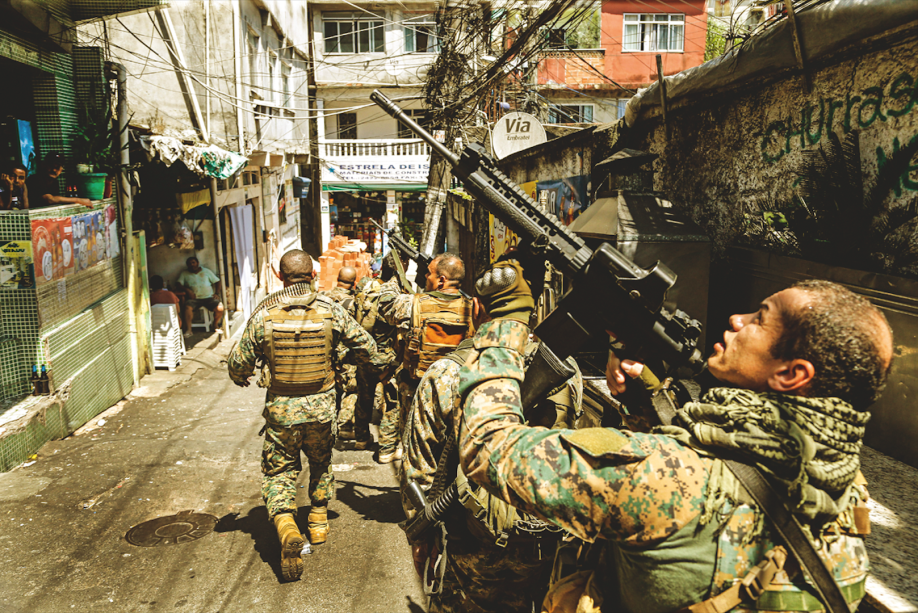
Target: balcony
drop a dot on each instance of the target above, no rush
(374, 162)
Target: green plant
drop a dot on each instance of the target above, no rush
(95, 141)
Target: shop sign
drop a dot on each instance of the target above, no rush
(16, 271)
(403, 169)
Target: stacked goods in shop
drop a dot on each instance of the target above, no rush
(342, 252)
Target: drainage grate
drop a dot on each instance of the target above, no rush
(172, 529)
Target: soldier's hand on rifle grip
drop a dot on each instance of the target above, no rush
(533, 264)
(616, 371)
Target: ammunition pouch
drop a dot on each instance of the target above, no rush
(298, 346)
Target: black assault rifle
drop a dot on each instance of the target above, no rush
(404, 247)
(610, 292)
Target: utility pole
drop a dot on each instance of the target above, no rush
(311, 233)
(440, 176)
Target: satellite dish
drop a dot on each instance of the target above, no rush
(515, 132)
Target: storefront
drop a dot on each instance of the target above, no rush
(381, 180)
(350, 213)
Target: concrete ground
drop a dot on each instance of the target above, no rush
(188, 440)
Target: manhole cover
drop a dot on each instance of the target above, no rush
(172, 529)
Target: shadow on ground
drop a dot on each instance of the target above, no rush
(384, 506)
(261, 529)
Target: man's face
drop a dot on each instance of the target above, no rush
(19, 177)
(432, 279)
(55, 172)
(193, 265)
(744, 357)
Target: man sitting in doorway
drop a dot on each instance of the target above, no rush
(200, 285)
(160, 295)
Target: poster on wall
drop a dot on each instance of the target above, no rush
(567, 198)
(83, 237)
(66, 229)
(46, 248)
(501, 238)
(99, 244)
(113, 244)
(16, 267)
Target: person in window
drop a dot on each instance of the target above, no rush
(44, 188)
(13, 193)
(200, 284)
(160, 295)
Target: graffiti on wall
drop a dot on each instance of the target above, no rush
(815, 120)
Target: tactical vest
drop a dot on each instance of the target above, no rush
(438, 325)
(298, 345)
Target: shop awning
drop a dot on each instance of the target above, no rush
(347, 186)
(205, 161)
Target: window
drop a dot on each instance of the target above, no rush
(285, 85)
(353, 33)
(421, 35)
(622, 104)
(253, 41)
(419, 115)
(557, 38)
(570, 113)
(347, 126)
(272, 89)
(653, 32)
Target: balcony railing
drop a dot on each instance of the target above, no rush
(373, 148)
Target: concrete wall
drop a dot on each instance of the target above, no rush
(729, 160)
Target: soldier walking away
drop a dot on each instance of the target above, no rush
(345, 369)
(375, 298)
(678, 528)
(497, 559)
(295, 338)
(430, 326)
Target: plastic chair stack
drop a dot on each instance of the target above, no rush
(168, 344)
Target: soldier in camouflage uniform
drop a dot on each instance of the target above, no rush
(445, 274)
(372, 302)
(345, 369)
(299, 421)
(480, 575)
(676, 526)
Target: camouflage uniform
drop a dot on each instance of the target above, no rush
(480, 576)
(345, 369)
(385, 336)
(678, 527)
(300, 422)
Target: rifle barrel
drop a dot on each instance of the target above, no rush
(393, 109)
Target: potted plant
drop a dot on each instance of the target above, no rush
(94, 152)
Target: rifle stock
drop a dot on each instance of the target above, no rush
(610, 292)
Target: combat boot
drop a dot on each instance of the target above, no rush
(318, 525)
(291, 546)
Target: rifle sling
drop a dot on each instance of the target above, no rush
(771, 503)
